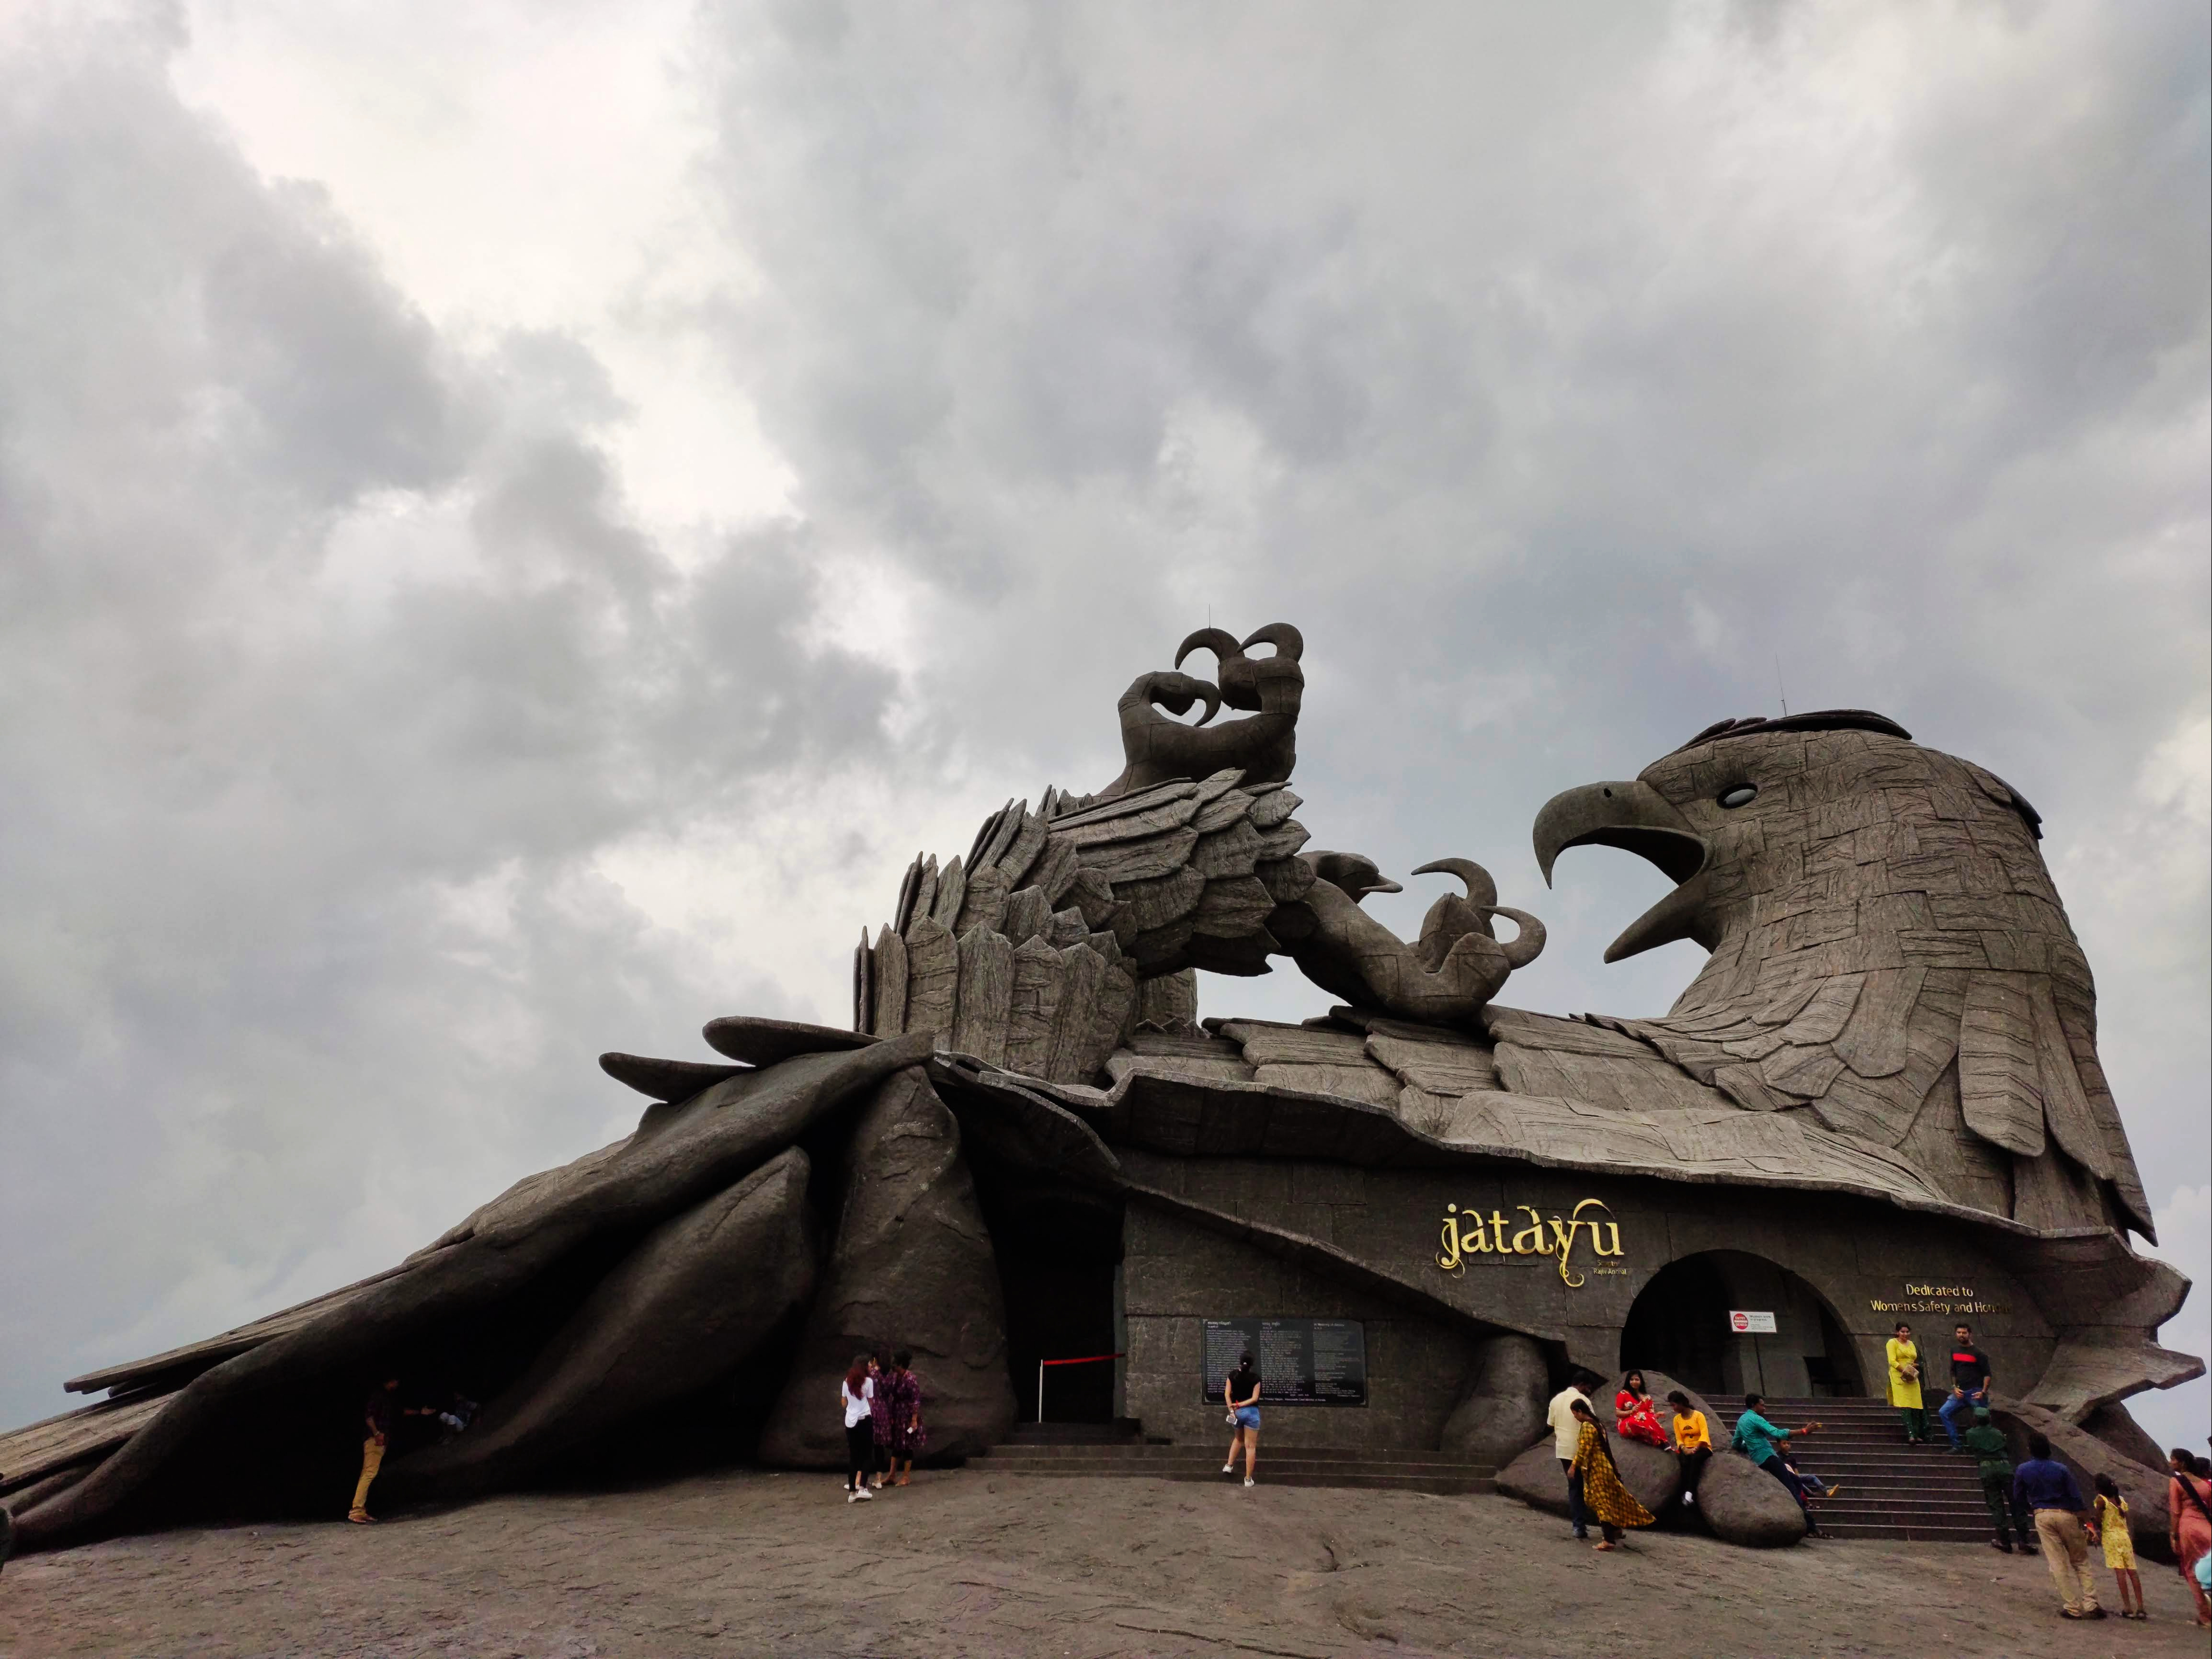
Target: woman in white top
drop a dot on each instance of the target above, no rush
(857, 1394)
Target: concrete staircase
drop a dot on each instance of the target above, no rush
(1120, 1450)
(1890, 1490)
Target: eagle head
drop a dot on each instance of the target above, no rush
(1886, 948)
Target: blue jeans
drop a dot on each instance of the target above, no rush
(1958, 1406)
(1577, 1514)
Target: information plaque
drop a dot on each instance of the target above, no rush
(1302, 1361)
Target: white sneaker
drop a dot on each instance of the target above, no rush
(1689, 1500)
(1229, 1468)
(865, 1495)
(1248, 1479)
(851, 1495)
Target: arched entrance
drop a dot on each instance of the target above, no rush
(1680, 1325)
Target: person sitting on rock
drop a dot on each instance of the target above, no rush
(1603, 1494)
(1762, 1441)
(1693, 1443)
(1637, 1414)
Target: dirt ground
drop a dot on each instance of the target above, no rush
(970, 1562)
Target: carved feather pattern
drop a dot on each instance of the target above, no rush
(1893, 954)
(1027, 953)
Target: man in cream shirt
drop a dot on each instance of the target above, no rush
(1564, 1430)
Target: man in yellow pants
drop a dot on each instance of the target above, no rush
(379, 1412)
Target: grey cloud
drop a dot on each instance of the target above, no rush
(305, 948)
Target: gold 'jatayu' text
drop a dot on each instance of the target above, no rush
(1469, 1233)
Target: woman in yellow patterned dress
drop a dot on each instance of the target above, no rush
(1904, 1384)
(1603, 1495)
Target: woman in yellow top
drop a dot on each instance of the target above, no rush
(2110, 1528)
(1603, 1495)
(1693, 1443)
(1904, 1384)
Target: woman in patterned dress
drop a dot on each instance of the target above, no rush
(880, 1411)
(908, 1435)
(1603, 1495)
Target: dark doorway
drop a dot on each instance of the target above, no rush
(1680, 1325)
(1059, 1255)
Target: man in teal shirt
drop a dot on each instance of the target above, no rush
(1762, 1441)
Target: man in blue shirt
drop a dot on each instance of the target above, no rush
(2047, 1488)
(1762, 1443)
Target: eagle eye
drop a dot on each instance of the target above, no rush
(1741, 795)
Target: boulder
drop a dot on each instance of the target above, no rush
(1537, 1477)
(1744, 1505)
(912, 1267)
(1502, 1412)
(1654, 1476)
(686, 1307)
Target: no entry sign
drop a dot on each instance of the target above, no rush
(1751, 1324)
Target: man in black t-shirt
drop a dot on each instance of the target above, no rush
(1969, 1385)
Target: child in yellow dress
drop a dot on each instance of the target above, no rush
(2111, 1526)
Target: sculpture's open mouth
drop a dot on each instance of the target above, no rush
(1637, 818)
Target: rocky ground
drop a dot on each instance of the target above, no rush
(967, 1563)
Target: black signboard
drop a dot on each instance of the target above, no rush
(1303, 1362)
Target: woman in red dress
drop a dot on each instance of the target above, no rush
(1638, 1412)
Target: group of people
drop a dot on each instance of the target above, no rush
(1969, 1386)
(1596, 1491)
(2046, 1496)
(883, 1433)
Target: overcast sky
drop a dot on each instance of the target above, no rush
(516, 521)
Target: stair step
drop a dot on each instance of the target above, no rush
(1006, 1450)
(1162, 1466)
(1283, 1474)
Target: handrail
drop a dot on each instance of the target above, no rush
(1082, 1360)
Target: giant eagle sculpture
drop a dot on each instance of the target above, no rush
(1895, 1015)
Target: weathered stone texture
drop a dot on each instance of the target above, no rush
(911, 1267)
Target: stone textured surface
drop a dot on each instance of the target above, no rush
(1885, 942)
(687, 1308)
(1537, 1478)
(678, 1156)
(912, 1267)
(1744, 1505)
(1502, 1412)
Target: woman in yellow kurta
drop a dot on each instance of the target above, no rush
(1904, 1384)
(1603, 1495)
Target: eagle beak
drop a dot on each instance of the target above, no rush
(1637, 818)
